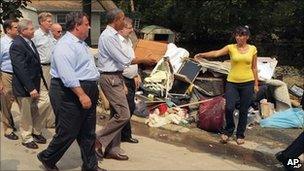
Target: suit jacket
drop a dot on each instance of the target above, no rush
(26, 67)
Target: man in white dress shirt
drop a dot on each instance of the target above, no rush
(43, 40)
(131, 78)
(56, 30)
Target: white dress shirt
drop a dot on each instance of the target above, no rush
(132, 70)
(45, 44)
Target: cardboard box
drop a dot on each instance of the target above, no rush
(146, 47)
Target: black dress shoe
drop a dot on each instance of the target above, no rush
(116, 156)
(39, 139)
(47, 166)
(11, 136)
(129, 140)
(31, 145)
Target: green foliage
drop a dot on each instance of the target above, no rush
(10, 8)
(269, 20)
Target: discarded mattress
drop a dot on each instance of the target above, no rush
(280, 94)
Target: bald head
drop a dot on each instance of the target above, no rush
(56, 30)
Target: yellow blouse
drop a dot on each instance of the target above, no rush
(241, 70)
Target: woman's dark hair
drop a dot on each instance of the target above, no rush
(74, 18)
(241, 30)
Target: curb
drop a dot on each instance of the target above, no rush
(250, 151)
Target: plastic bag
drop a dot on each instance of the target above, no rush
(290, 118)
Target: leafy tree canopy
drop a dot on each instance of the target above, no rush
(10, 8)
(269, 20)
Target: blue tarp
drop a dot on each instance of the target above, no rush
(290, 118)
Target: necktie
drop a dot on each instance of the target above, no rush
(31, 46)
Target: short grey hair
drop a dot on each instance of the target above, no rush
(112, 14)
(23, 24)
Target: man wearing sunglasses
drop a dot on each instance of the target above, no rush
(56, 30)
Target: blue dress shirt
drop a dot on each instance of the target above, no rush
(112, 57)
(5, 60)
(72, 61)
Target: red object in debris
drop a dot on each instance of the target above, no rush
(211, 114)
(162, 108)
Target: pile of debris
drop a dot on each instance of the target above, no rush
(182, 91)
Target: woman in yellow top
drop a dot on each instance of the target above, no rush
(242, 81)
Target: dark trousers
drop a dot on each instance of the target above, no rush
(126, 132)
(296, 148)
(73, 123)
(234, 92)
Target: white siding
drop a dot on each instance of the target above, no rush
(95, 28)
(30, 13)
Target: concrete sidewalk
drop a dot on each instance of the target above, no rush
(175, 143)
(148, 154)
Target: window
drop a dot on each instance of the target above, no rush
(61, 19)
(161, 37)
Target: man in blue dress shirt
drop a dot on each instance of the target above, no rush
(73, 95)
(112, 61)
(6, 76)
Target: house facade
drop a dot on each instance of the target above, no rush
(59, 10)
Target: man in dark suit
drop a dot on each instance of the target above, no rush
(26, 84)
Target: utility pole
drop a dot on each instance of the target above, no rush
(86, 7)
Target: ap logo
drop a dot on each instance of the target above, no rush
(294, 163)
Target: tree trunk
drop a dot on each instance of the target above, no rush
(107, 4)
(86, 7)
